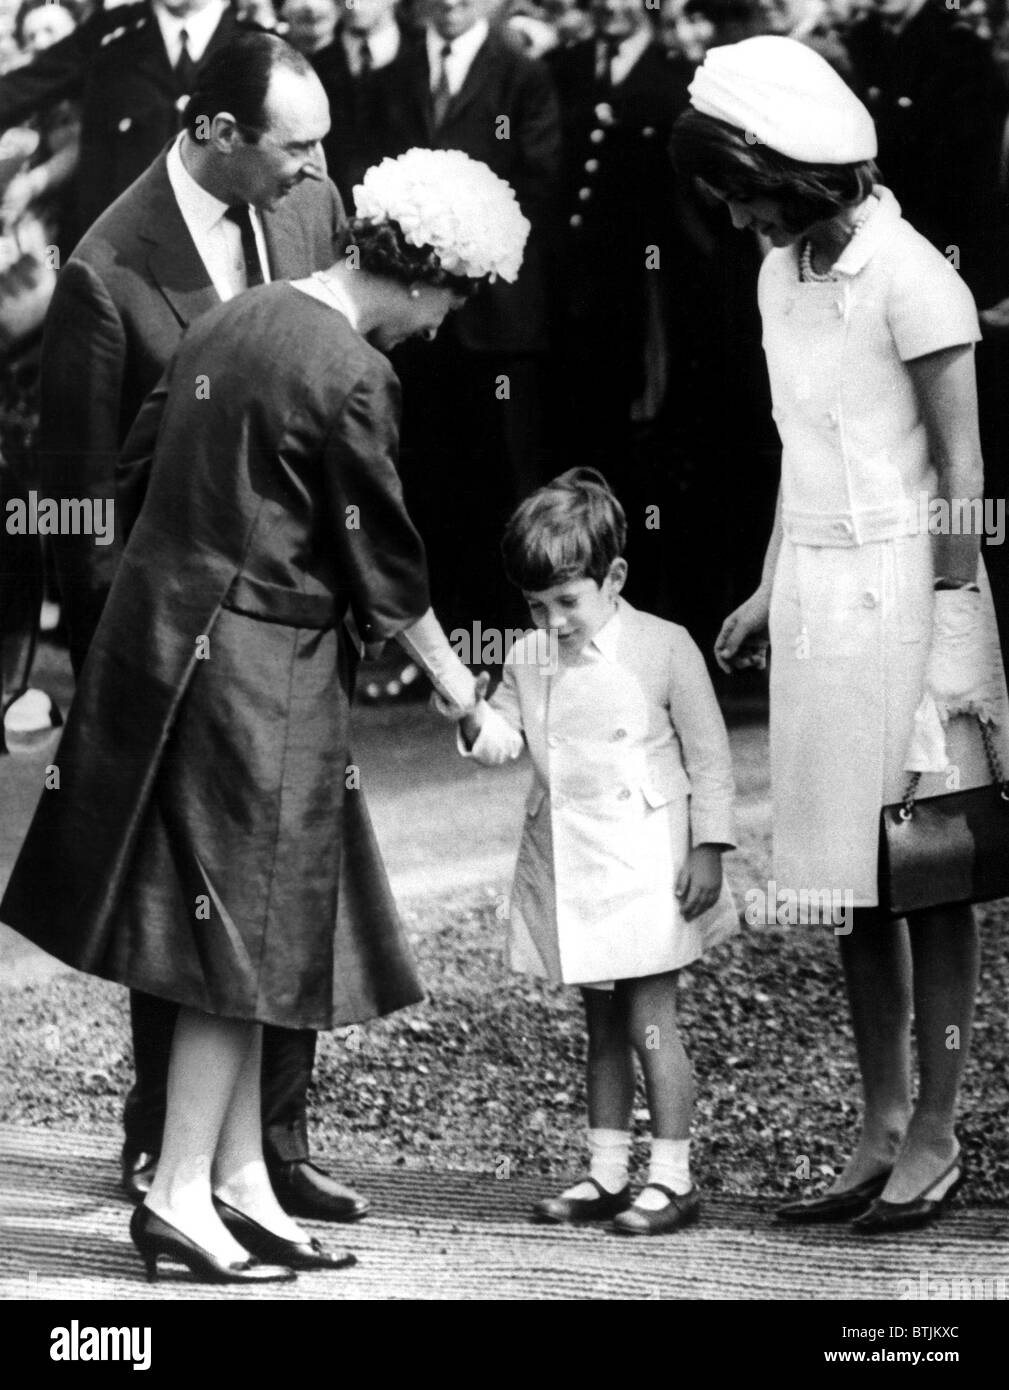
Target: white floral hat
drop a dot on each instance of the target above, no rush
(459, 207)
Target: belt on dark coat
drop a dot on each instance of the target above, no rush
(272, 603)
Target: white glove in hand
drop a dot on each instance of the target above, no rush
(427, 644)
(927, 749)
(961, 674)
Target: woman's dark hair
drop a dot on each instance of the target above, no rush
(573, 528)
(720, 155)
(236, 79)
(382, 249)
(25, 8)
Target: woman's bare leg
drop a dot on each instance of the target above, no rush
(207, 1056)
(945, 954)
(239, 1170)
(876, 960)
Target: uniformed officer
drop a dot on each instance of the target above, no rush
(132, 67)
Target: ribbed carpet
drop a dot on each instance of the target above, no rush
(466, 1235)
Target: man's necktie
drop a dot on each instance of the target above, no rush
(240, 215)
(185, 68)
(364, 59)
(441, 97)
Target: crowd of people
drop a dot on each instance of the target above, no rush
(635, 314)
(522, 228)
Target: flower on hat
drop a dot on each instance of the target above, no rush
(459, 207)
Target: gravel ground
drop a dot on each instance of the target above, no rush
(487, 1072)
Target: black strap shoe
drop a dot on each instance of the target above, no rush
(304, 1190)
(834, 1206)
(681, 1209)
(565, 1211)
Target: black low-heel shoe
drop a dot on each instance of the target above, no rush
(565, 1211)
(834, 1206)
(154, 1236)
(883, 1217)
(265, 1244)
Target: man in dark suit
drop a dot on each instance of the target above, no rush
(458, 85)
(238, 198)
(132, 67)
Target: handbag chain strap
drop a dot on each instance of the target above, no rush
(994, 765)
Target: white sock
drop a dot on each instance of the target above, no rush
(670, 1165)
(609, 1155)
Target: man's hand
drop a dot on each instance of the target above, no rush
(699, 882)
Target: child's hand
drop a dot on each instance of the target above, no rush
(448, 709)
(699, 882)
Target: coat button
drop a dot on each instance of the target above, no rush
(648, 132)
(905, 102)
(575, 220)
(585, 194)
(553, 741)
(597, 136)
(125, 124)
(832, 418)
(843, 528)
(604, 113)
(591, 166)
(620, 733)
(624, 794)
(870, 599)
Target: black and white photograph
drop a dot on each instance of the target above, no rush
(504, 760)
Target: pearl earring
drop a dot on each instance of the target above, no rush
(415, 293)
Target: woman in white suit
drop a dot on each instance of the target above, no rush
(880, 632)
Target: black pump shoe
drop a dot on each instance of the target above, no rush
(834, 1206)
(883, 1217)
(154, 1236)
(266, 1245)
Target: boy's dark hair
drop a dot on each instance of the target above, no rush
(573, 528)
(720, 155)
(236, 79)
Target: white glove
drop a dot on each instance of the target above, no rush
(427, 644)
(927, 749)
(961, 674)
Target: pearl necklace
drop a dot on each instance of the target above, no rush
(816, 277)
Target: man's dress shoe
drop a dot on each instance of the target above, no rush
(834, 1206)
(304, 1190)
(138, 1169)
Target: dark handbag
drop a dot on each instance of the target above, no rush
(946, 849)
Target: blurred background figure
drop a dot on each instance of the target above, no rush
(931, 82)
(34, 211)
(685, 30)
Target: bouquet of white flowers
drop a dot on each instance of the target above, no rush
(461, 209)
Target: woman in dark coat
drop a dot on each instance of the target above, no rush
(204, 837)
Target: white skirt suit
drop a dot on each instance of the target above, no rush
(631, 766)
(851, 607)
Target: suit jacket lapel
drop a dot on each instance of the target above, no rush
(173, 260)
(477, 79)
(418, 83)
(284, 244)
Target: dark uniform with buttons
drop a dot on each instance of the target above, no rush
(116, 64)
(617, 186)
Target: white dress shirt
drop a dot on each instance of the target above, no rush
(217, 239)
(460, 60)
(626, 55)
(199, 28)
(383, 43)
